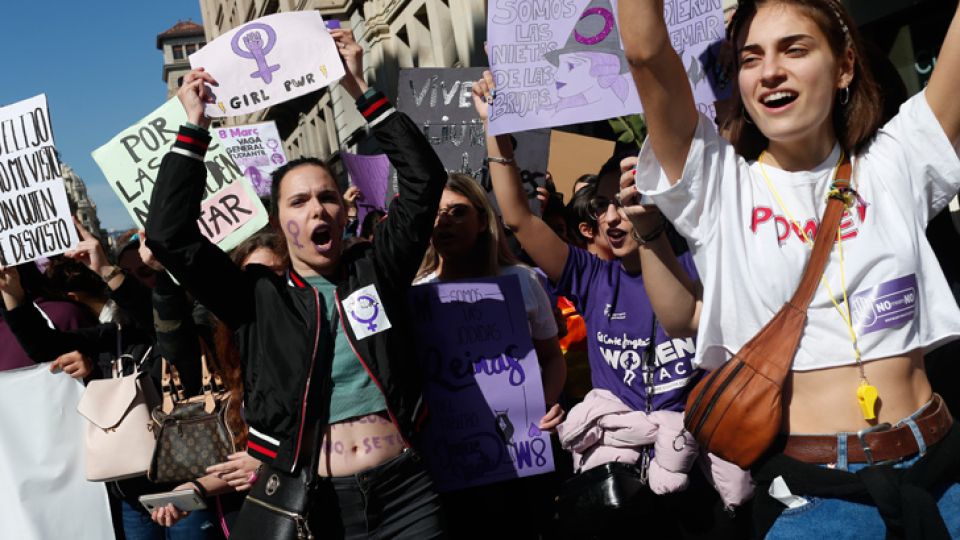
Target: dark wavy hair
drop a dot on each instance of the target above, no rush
(856, 122)
(278, 175)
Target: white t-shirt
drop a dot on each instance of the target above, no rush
(535, 300)
(750, 257)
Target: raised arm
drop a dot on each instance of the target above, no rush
(172, 231)
(401, 239)
(674, 296)
(662, 83)
(941, 90)
(543, 245)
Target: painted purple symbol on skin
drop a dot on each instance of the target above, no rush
(257, 50)
(365, 302)
(607, 26)
(294, 231)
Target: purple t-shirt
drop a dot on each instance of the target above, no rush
(619, 318)
(65, 316)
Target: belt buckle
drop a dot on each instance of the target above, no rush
(863, 442)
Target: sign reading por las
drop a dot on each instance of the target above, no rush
(561, 62)
(268, 61)
(35, 219)
(482, 384)
(441, 102)
(230, 211)
(257, 149)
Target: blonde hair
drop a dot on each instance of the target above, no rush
(491, 240)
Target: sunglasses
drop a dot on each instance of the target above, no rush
(599, 205)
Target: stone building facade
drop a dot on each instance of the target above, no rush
(394, 33)
(177, 43)
(81, 205)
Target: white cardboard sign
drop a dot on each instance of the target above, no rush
(35, 218)
(268, 61)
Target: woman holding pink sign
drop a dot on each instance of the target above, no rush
(331, 398)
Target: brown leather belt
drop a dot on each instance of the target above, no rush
(876, 444)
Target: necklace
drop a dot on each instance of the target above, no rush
(867, 394)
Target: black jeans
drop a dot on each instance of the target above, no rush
(393, 500)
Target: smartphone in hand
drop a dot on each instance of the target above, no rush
(186, 500)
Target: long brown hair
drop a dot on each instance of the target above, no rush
(490, 241)
(856, 122)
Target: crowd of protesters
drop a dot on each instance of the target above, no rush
(630, 303)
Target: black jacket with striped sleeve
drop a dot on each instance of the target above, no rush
(277, 319)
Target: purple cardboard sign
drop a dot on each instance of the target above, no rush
(888, 305)
(333, 24)
(482, 383)
(371, 174)
(564, 64)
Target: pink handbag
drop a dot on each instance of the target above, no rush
(119, 442)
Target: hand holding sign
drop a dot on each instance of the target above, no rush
(10, 287)
(90, 252)
(352, 55)
(194, 94)
(483, 92)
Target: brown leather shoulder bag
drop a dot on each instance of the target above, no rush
(736, 411)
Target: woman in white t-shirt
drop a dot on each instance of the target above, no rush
(467, 243)
(747, 208)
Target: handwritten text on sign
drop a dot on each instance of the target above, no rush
(231, 211)
(482, 386)
(561, 62)
(257, 149)
(35, 219)
(268, 61)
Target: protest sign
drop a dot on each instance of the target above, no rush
(371, 174)
(268, 61)
(35, 218)
(230, 211)
(42, 459)
(441, 102)
(482, 383)
(257, 149)
(561, 62)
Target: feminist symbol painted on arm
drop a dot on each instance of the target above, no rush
(257, 50)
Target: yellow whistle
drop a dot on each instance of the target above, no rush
(867, 397)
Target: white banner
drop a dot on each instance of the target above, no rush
(43, 491)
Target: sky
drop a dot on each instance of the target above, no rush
(99, 66)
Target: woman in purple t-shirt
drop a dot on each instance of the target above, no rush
(642, 358)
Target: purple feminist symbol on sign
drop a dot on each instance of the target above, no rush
(607, 26)
(365, 311)
(257, 50)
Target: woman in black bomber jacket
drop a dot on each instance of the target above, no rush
(330, 379)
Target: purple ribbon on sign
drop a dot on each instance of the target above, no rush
(257, 50)
(608, 22)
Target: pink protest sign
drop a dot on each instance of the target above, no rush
(268, 61)
(227, 211)
(482, 383)
(562, 62)
(371, 174)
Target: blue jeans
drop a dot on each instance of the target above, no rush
(837, 519)
(198, 525)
